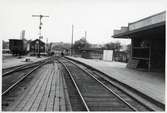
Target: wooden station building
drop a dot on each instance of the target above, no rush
(37, 46)
(147, 42)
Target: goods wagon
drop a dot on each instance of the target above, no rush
(17, 46)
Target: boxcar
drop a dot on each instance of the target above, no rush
(17, 46)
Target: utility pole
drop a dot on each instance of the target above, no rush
(40, 27)
(72, 40)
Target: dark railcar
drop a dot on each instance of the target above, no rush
(17, 47)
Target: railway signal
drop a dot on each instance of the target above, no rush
(40, 27)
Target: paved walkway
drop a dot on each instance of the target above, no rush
(151, 84)
(45, 94)
(11, 61)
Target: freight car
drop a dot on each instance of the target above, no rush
(18, 46)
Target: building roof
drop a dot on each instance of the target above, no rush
(34, 41)
(15, 39)
(144, 24)
(91, 49)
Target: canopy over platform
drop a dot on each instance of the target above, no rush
(152, 23)
(148, 42)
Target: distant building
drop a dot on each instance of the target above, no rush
(92, 53)
(59, 51)
(148, 42)
(96, 46)
(37, 46)
(60, 47)
(100, 53)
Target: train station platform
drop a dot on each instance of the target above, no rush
(42, 93)
(151, 84)
(10, 61)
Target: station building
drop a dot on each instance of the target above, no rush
(36, 46)
(59, 50)
(147, 42)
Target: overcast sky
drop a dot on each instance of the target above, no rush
(98, 17)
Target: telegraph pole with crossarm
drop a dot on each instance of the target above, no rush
(40, 27)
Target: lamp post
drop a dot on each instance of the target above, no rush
(40, 27)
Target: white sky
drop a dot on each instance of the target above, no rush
(98, 17)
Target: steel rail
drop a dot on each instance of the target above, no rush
(116, 87)
(133, 108)
(22, 78)
(24, 66)
(75, 84)
(119, 97)
(125, 93)
(19, 69)
(149, 102)
(7, 68)
(13, 70)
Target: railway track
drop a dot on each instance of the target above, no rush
(37, 92)
(10, 70)
(145, 100)
(79, 88)
(98, 93)
(13, 77)
(94, 95)
(73, 98)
